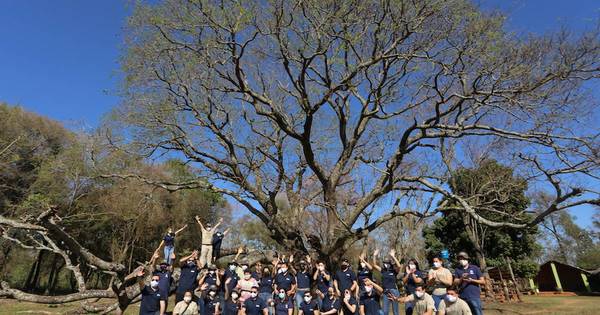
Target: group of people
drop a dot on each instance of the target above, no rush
(306, 287)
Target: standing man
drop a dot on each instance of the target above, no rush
(369, 301)
(164, 284)
(469, 278)
(207, 238)
(189, 275)
(303, 277)
(285, 280)
(345, 279)
(153, 303)
(422, 302)
(254, 305)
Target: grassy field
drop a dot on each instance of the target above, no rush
(547, 305)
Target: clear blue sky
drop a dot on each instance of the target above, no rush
(60, 58)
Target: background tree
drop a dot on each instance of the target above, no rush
(345, 107)
(496, 194)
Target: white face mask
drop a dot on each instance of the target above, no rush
(232, 267)
(368, 289)
(234, 296)
(363, 265)
(450, 298)
(212, 293)
(281, 295)
(283, 270)
(386, 266)
(307, 299)
(187, 299)
(412, 266)
(419, 294)
(154, 283)
(253, 294)
(244, 267)
(464, 262)
(437, 264)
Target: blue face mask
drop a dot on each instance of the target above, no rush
(281, 295)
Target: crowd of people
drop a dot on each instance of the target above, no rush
(306, 287)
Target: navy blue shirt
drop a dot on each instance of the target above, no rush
(231, 308)
(234, 279)
(330, 303)
(371, 303)
(217, 239)
(265, 285)
(164, 283)
(169, 239)
(150, 301)
(254, 306)
(285, 281)
(362, 274)
(345, 279)
(210, 305)
(411, 286)
(309, 308)
(187, 279)
(303, 280)
(469, 291)
(322, 283)
(351, 301)
(282, 306)
(388, 278)
(211, 279)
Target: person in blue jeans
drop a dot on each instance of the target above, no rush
(412, 277)
(169, 244)
(438, 279)
(469, 279)
(389, 273)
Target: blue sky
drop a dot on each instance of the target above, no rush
(60, 58)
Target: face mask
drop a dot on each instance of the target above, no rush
(437, 264)
(363, 265)
(244, 267)
(307, 299)
(283, 270)
(232, 267)
(464, 262)
(253, 294)
(419, 294)
(190, 262)
(266, 271)
(212, 272)
(347, 295)
(368, 289)
(234, 296)
(187, 299)
(386, 266)
(212, 293)
(281, 295)
(450, 298)
(154, 283)
(412, 266)
(321, 268)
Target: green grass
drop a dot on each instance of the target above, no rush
(547, 305)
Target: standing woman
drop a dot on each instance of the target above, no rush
(363, 272)
(232, 305)
(169, 242)
(411, 279)
(265, 286)
(389, 273)
(211, 302)
(439, 278)
(283, 304)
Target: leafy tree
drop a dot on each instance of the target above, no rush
(494, 191)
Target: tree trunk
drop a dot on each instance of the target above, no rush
(51, 274)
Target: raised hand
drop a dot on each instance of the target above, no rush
(140, 271)
(393, 252)
(376, 252)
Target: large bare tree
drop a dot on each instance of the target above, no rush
(351, 110)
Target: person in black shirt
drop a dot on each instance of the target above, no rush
(282, 303)
(412, 277)
(188, 277)
(345, 279)
(285, 280)
(265, 285)
(363, 272)
(331, 303)
(169, 243)
(308, 305)
(217, 240)
(211, 301)
(369, 301)
(322, 277)
(349, 304)
(303, 279)
(254, 305)
(166, 278)
(389, 273)
(153, 302)
(232, 305)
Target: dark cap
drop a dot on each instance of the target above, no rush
(462, 255)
